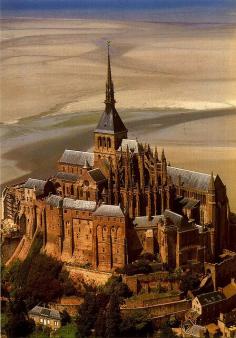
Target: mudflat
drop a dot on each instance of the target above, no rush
(175, 87)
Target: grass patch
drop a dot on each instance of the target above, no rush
(67, 331)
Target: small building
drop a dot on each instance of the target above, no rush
(46, 317)
(208, 306)
(190, 329)
(227, 324)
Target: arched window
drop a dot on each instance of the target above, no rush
(99, 141)
(109, 142)
(104, 142)
(72, 190)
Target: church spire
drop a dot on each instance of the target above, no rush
(110, 99)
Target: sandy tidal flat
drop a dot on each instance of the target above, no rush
(59, 65)
(175, 86)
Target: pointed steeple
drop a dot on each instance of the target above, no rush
(110, 99)
(110, 121)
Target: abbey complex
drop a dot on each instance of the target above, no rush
(104, 208)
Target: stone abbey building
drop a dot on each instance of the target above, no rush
(105, 208)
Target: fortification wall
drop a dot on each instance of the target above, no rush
(151, 281)
(8, 247)
(159, 310)
(88, 276)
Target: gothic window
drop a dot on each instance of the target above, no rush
(81, 193)
(86, 183)
(72, 190)
(109, 142)
(104, 142)
(99, 141)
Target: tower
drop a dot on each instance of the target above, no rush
(110, 129)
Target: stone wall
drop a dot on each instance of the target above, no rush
(151, 281)
(159, 310)
(139, 302)
(88, 276)
(222, 272)
(8, 247)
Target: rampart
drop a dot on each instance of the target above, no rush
(151, 281)
(159, 310)
(88, 276)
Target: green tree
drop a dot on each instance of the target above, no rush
(100, 324)
(113, 317)
(86, 315)
(136, 325)
(18, 324)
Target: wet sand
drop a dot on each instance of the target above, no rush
(59, 65)
(175, 86)
(35, 145)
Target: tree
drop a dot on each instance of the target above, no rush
(18, 324)
(166, 331)
(115, 285)
(113, 317)
(136, 325)
(86, 315)
(189, 282)
(100, 324)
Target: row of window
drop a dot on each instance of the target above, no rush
(47, 322)
(104, 142)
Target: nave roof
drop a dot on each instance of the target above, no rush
(33, 183)
(189, 179)
(76, 157)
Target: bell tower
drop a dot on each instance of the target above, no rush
(110, 129)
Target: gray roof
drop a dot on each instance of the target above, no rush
(176, 219)
(33, 183)
(54, 201)
(189, 179)
(77, 157)
(97, 175)
(109, 210)
(196, 331)
(210, 297)
(144, 221)
(45, 312)
(69, 203)
(67, 176)
(189, 203)
(110, 122)
(132, 145)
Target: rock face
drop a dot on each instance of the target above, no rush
(102, 209)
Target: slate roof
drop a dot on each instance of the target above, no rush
(33, 183)
(196, 331)
(54, 201)
(109, 210)
(210, 297)
(132, 145)
(45, 312)
(69, 203)
(110, 122)
(97, 175)
(67, 176)
(176, 219)
(77, 157)
(189, 179)
(189, 203)
(143, 221)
